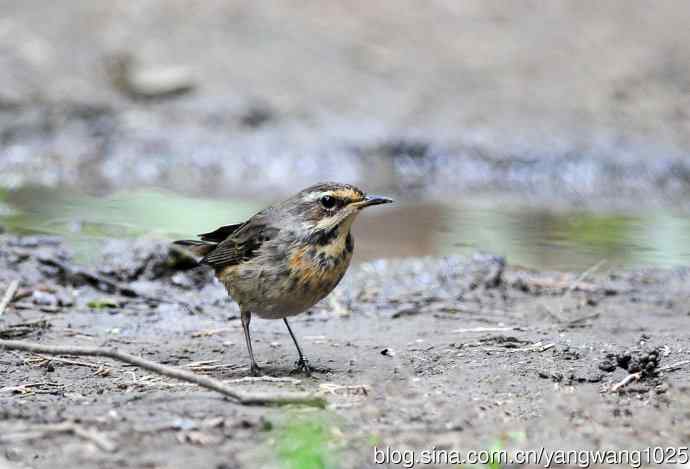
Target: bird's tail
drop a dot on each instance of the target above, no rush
(198, 248)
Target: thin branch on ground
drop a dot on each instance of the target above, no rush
(14, 331)
(625, 381)
(67, 361)
(577, 322)
(557, 284)
(536, 347)
(584, 275)
(348, 389)
(42, 431)
(574, 285)
(487, 329)
(210, 332)
(199, 363)
(169, 371)
(9, 295)
(24, 388)
(674, 366)
(265, 379)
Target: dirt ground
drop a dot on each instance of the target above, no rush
(574, 103)
(449, 353)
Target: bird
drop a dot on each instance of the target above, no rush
(287, 257)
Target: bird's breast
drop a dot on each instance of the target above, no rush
(279, 284)
(319, 268)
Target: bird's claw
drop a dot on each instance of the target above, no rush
(302, 365)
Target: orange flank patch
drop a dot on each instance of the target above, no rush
(308, 271)
(299, 259)
(302, 265)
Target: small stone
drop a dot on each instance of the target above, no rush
(257, 115)
(634, 366)
(44, 298)
(139, 81)
(388, 352)
(624, 360)
(607, 365)
(13, 454)
(65, 299)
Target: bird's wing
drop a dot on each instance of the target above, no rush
(209, 241)
(221, 233)
(242, 244)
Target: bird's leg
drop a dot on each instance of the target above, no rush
(246, 318)
(302, 363)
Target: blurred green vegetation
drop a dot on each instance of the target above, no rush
(306, 442)
(500, 448)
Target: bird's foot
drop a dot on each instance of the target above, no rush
(255, 369)
(302, 366)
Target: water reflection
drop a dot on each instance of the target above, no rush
(533, 237)
(570, 240)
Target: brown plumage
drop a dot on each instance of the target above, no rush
(287, 257)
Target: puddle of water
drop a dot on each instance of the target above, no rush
(533, 237)
(86, 221)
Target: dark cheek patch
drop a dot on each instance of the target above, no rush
(322, 237)
(349, 243)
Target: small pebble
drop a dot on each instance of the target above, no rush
(607, 365)
(387, 352)
(44, 298)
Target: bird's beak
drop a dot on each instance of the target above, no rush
(373, 200)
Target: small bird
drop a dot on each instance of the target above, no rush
(287, 257)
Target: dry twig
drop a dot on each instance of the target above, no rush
(625, 381)
(578, 281)
(674, 366)
(9, 295)
(487, 329)
(165, 370)
(25, 388)
(43, 360)
(265, 379)
(209, 332)
(25, 328)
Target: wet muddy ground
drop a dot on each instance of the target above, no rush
(454, 353)
(556, 108)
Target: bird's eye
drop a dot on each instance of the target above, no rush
(327, 201)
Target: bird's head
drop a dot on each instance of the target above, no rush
(325, 206)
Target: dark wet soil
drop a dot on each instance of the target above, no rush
(456, 353)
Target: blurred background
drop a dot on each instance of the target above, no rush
(554, 133)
